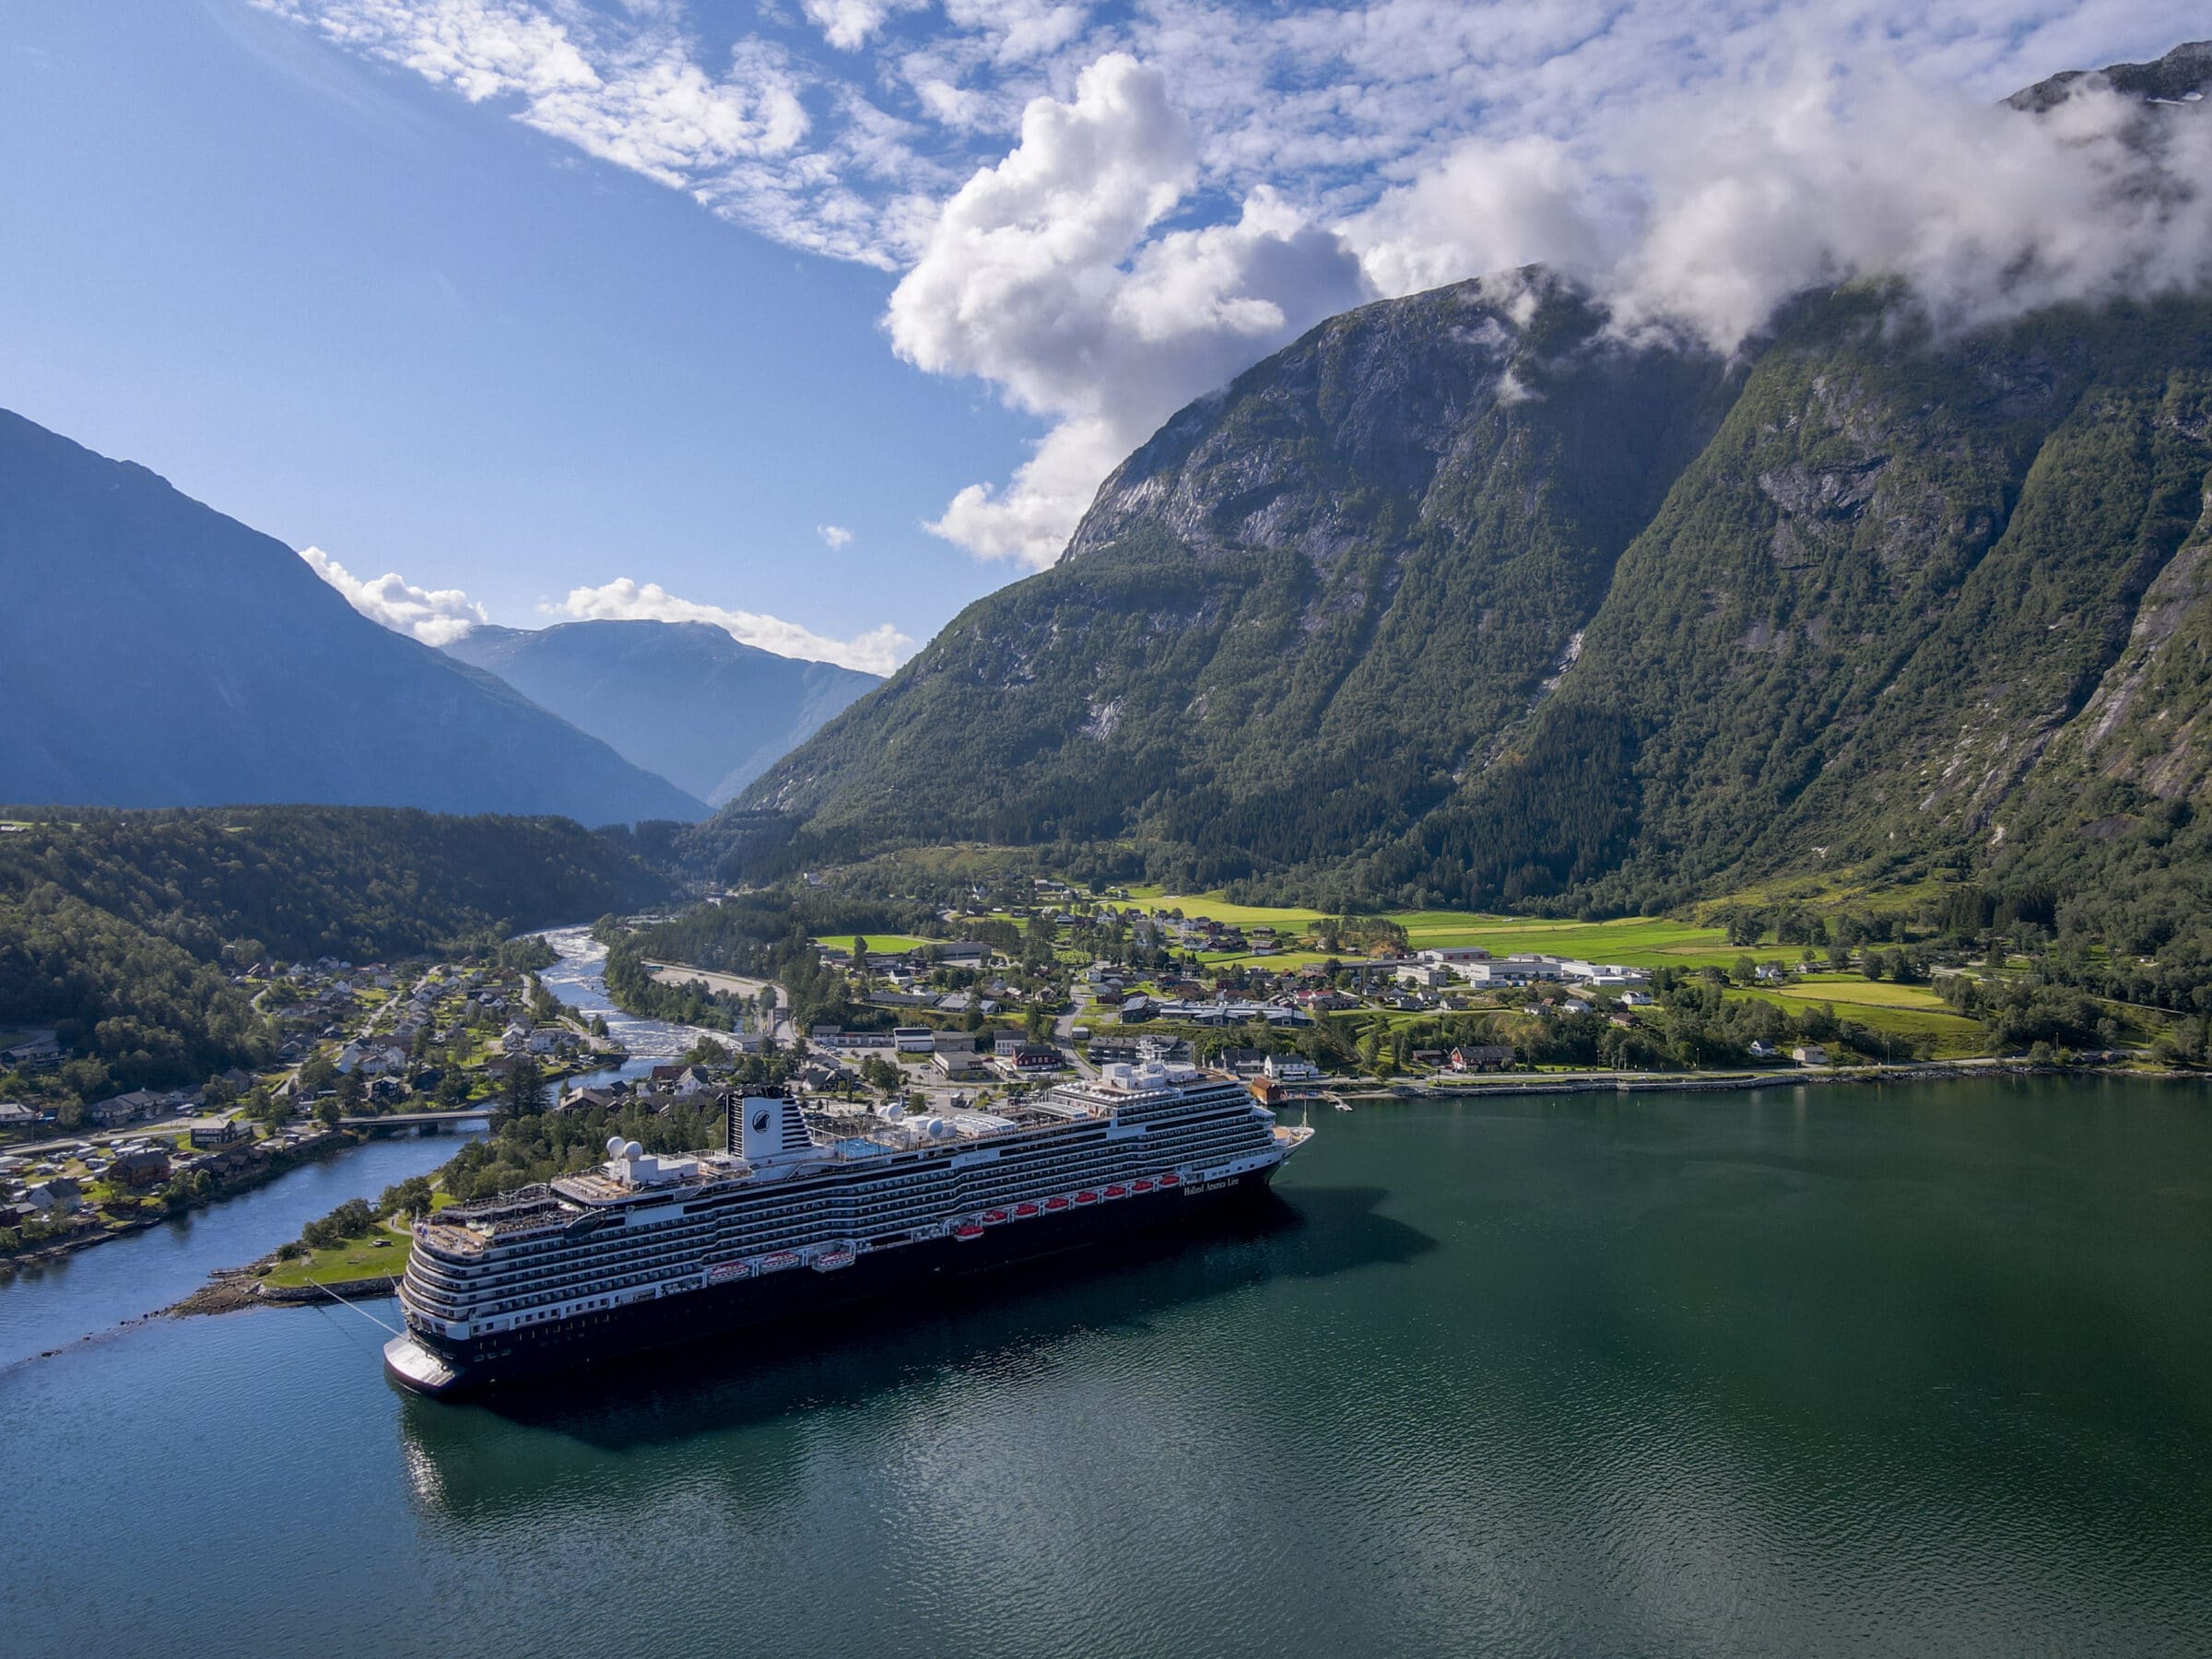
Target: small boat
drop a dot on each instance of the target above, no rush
(1143, 1183)
(830, 1260)
(968, 1231)
(993, 1218)
(1024, 1210)
(1342, 1107)
(1171, 1179)
(1117, 1192)
(1056, 1203)
(778, 1262)
(1086, 1198)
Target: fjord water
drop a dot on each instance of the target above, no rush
(1915, 1370)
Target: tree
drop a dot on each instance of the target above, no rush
(328, 1111)
(524, 1092)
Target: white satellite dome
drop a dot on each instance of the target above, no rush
(634, 1150)
(614, 1146)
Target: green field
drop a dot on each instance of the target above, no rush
(1636, 941)
(383, 1251)
(1957, 1036)
(892, 942)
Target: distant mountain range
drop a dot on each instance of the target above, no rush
(1464, 598)
(154, 652)
(682, 699)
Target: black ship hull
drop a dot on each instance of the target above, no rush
(446, 1370)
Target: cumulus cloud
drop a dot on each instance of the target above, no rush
(1103, 212)
(834, 536)
(434, 616)
(1044, 274)
(878, 650)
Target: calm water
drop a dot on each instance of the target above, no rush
(1922, 1372)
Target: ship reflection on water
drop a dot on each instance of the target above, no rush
(1000, 1334)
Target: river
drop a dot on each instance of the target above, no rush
(90, 1292)
(1921, 1369)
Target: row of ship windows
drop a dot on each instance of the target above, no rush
(685, 1242)
(983, 1185)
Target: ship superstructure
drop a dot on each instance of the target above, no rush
(800, 1211)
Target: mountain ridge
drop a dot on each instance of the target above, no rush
(225, 673)
(1466, 598)
(685, 700)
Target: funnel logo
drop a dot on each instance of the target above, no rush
(760, 1123)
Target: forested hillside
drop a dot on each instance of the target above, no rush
(121, 929)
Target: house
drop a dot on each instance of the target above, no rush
(1244, 1062)
(55, 1198)
(1636, 999)
(591, 1099)
(1429, 976)
(1482, 1056)
(819, 1077)
(142, 1167)
(913, 1040)
(964, 953)
(1761, 1049)
(221, 1133)
(134, 1107)
(1769, 972)
(953, 1043)
(1809, 1053)
(13, 1114)
(955, 1063)
(1575, 1005)
(1451, 956)
(33, 1055)
(544, 1041)
(1037, 1057)
(515, 1038)
(1290, 1069)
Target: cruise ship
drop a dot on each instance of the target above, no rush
(802, 1211)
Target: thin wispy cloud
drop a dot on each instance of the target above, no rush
(878, 650)
(1104, 213)
(434, 616)
(834, 536)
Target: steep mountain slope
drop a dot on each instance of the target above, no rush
(1465, 598)
(1295, 614)
(683, 699)
(155, 652)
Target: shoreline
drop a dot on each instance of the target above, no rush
(327, 1145)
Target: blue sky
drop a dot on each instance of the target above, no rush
(820, 318)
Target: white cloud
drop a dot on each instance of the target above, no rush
(434, 616)
(1044, 275)
(835, 536)
(1103, 212)
(878, 650)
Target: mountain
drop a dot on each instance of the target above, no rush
(156, 653)
(681, 699)
(1468, 598)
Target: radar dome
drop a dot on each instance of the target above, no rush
(614, 1146)
(634, 1150)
